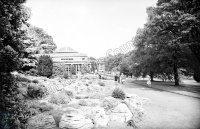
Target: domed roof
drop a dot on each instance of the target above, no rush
(66, 50)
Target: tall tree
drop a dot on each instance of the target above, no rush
(13, 16)
(171, 26)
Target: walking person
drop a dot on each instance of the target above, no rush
(119, 78)
(149, 81)
(116, 78)
(123, 78)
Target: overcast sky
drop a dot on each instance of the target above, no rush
(90, 26)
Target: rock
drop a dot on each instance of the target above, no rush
(83, 103)
(42, 121)
(81, 96)
(120, 114)
(136, 107)
(75, 121)
(99, 117)
(110, 102)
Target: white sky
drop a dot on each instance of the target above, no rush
(90, 26)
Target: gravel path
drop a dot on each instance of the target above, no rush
(166, 110)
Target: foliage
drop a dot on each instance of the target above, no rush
(45, 66)
(83, 103)
(113, 61)
(22, 79)
(36, 90)
(66, 75)
(165, 43)
(39, 41)
(84, 69)
(73, 70)
(13, 17)
(126, 65)
(101, 83)
(37, 107)
(93, 62)
(35, 81)
(59, 98)
(66, 92)
(118, 93)
(33, 72)
(197, 76)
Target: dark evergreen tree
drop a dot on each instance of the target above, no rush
(13, 16)
(45, 66)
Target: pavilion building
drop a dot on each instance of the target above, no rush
(66, 57)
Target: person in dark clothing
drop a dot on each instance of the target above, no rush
(99, 76)
(116, 78)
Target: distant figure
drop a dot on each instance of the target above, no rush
(149, 81)
(122, 78)
(116, 78)
(119, 78)
(79, 74)
(99, 76)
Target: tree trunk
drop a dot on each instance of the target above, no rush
(176, 77)
(151, 75)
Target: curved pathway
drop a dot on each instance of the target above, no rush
(166, 110)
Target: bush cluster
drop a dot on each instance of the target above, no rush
(32, 72)
(101, 83)
(118, 93)
(35, 81)
(68, 93)
(37, 107)
(36, 90)
(59, 98)
(22, 79)
(66, 75)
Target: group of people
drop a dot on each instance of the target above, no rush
(119, 78)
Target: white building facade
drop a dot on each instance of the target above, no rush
(66, 58)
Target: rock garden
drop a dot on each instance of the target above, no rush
(79, 103)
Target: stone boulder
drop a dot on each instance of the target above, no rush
(75, 121)
(110, 103)
(120, 114)
(99, 117)
(42, 121)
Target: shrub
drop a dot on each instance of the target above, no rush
(33, 72)
(22, 90)
(73, 70)
(83, 103)
(36, 90)
(59, 99)
(68, 93)
(45, 66)
(34, 111)
(40, 107)
(57, 116)
(94, 104)
(104, 78)
(118, 93)
(101, 83)
(22, 79)
(35, 81)
(66, 75)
